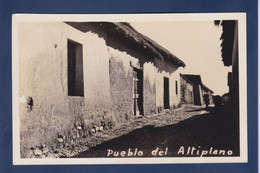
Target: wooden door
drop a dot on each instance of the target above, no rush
(138, 91)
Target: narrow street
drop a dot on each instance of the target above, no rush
(175, 133)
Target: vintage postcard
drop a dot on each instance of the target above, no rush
(129, 88)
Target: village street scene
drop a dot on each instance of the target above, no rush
(128, 89)
(195, 126)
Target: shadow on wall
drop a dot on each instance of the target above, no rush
(213, 129)
(130, 41)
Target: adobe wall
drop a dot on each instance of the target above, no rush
(149, 86)
(108, 84)
(171, 72)
(121, 84)
(186, 89)
(175, 98)
(43, 76)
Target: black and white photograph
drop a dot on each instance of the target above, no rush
(124, 89)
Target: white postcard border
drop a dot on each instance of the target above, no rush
(241, 17)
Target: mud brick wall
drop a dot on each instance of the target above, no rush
(149, 89)
(121, 84)
(43, 77)
(187, 96)
(53, 115)
(166, 69)
(121, 88)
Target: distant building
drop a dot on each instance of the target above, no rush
(225, 98)
(206, 90)
(89, 76)
(187, 94)
(193, 90)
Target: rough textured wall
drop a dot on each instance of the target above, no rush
(43, 77)
(170, 71)
(175, 98)
(121, 84)
(159, 90)
(149, 88)
(108, 84)
(96, 76)
(183, 90)
(187, 95)
(190, 93)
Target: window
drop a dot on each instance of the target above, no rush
(176, 87)
(75, 69)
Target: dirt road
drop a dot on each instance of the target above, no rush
(189, 131)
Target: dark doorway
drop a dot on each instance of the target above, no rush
(75, 69)
(166, 93)
(138, 91)
(196, 90)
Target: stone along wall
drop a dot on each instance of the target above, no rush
(53, 114)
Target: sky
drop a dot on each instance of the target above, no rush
(197, 43)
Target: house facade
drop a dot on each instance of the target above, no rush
(229, 46)
(76, 79)
(187, 94)
(193, 90)
(209, 92)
